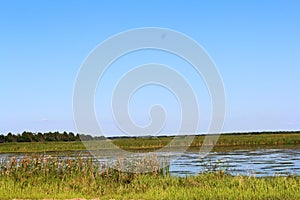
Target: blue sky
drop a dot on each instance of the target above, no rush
(254, 44)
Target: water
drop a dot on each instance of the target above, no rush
(260, 162)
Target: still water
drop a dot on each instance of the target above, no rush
(259, 162)
(262, 162)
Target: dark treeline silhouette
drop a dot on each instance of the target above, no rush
(45, 137)
(69, 136)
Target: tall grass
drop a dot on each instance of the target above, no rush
(40, 147)
(231, 141)
(41, 177)
(224, 141)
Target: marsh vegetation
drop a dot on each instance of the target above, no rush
(40, 177)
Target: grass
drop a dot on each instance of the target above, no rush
(46, 177)
(225, 141)
(230, 140)
(27, 147)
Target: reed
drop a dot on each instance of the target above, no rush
(40, 177)
(229, 141)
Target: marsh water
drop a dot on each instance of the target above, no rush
(260, 162)
(253, 162)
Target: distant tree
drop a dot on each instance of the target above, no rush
(40, 137)
(65, 136)
(99, 138)
(77, 137)
(72, 137)
(49, 137)
(25, 137)
(85, 137)
(2, 139)
(11, 138)
(57, 136)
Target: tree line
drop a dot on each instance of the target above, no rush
(46, 137)
(69, 136)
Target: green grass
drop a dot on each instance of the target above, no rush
(269, 139)
(40, 146)
(46, 177)
(225, 141)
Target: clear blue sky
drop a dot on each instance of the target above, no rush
(255, 45)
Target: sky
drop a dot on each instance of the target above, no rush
(255, 46)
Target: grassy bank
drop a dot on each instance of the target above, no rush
(228, 140)
(44, 177)
(225, 141)
(27, 147)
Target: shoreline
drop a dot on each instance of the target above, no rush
(225, 143)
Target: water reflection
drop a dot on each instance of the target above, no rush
(260, 162)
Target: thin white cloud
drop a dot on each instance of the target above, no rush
(44, 119)
(294, 122)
